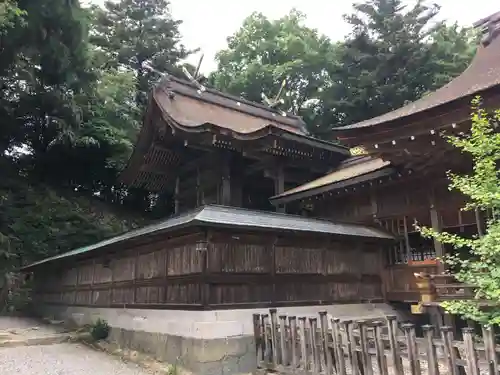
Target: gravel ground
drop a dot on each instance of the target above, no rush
(63, 359)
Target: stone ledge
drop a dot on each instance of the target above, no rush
(32, 341)
(235, 355)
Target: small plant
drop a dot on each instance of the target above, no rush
(171, 370)
(100, 330)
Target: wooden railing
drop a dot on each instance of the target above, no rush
(436, 288)
(291, 345)
(400, 281)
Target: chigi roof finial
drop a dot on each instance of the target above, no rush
(197, 77)
(490, 28)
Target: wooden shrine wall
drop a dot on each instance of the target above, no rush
(410, 198)
(395, 206)
(235, 270)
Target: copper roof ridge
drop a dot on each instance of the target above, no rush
(236, 98)
(270, 116)
(270, 128)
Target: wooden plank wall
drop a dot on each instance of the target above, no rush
(236, 270)
(405, 197)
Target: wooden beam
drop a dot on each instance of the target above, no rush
(407, 240)
(176, 195)
(373, 202)
(309, 165)
(199, 189)
(226, 185)
(436, 226)
(479, 222)
(279, 185)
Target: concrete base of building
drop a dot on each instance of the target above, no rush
(218, 342)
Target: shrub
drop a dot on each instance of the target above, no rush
(100, 330)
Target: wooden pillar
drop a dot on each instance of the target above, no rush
(176, 195)
(237, 173)
(374, 202)
(226, 184)
(407, 240)
(479, 222)
(436, 225)
(205, 274)
(199, 189)
(279, 185)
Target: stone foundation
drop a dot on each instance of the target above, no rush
(201, 342)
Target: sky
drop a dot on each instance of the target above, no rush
(207, 24)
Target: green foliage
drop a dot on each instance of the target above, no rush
(132, 32)
(393, 56)
(482, 267)
(43, 64)
(100, 330)
(263, 53)
(10, 16)
(37, 222)
(91, 157)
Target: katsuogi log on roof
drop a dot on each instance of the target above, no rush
(449, 104)
(180, 116)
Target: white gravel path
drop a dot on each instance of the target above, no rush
(63, 359)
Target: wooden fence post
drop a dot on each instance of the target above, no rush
(352, 353)
(274, 336)
(380, 349)
(303, 344)
(338, 347)
(366, 361)
(449, 352)
(489, 346)
(257, 334)
(292, 321)
(412, 349)
(430, 349)
(326, 341)
(283, 341)
(313, 337)
(392, 327)
(470, 351)
(266, 354)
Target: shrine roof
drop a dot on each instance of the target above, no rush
(482, 74)
(181, 116)
(354, 170)
(232, 217)
(190, 108)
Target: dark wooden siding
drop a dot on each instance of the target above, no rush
(235, 270)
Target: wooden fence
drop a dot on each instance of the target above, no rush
(313, 346)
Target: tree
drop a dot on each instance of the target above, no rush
(91, 157)
(132, 32)
(263, 53)
(482, 265)
(393, 56)
(10, 15)
(44, 64)
(75, 122)
(37, 221)
(452, 48)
